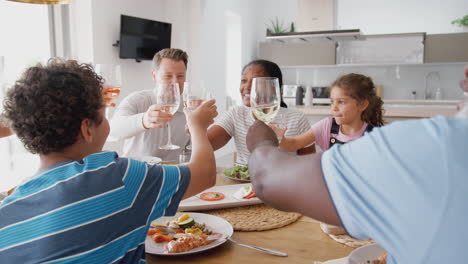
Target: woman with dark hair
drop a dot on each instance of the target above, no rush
(236, 122)
(271, 69)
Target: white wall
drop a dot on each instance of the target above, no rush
(106, 31)
(221, 36)
(400, 16)
(24, 30)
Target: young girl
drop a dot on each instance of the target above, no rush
(356, 109)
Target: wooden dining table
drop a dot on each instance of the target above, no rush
(303, 240)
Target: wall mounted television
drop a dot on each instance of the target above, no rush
(141, 38)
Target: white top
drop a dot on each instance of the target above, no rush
(127, 123)
(237, 121)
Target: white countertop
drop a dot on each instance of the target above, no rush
(396, 108)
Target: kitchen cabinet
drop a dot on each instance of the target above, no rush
(306, 53)
(323, 49)
(451, 47)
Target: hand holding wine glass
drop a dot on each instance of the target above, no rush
(265, 98)
(193, 99)
(154, 117)
(168, 101)
(203, 116)
(195, 96)
(112, 82)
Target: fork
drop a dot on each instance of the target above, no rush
(266, 250)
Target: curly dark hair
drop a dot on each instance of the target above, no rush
(48, 103)
(272, 70)
(361, 87)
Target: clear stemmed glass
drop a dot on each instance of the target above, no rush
(112, 83)
(279, 126)
(168, 96)
(194, 97)
(265, 98)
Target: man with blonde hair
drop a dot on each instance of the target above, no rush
(140, 121)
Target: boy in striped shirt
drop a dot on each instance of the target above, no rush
(84, 205)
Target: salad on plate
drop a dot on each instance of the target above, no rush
(238, 172)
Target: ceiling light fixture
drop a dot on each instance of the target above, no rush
(43, 2)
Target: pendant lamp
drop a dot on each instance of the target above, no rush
(43, 2)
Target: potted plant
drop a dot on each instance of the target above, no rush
(276, 27)
(462, 22)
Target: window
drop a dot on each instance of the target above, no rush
(25, 41)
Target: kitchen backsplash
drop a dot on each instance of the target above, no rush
(398, 81)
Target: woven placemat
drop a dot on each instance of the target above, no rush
(255, 217)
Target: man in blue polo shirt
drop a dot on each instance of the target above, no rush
(84, 205)
(404, 185)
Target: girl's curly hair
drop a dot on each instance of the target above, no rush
(48, 103)
(361, 87)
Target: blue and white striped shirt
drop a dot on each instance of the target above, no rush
(95, 210)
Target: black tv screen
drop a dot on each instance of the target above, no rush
(141, 38)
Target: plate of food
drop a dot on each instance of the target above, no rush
(218, 197)
(186, 233)
(370, 254)
(239, 173)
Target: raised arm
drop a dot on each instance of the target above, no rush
(202, 163)
(286, 182)
(218, 137)
(295, 143)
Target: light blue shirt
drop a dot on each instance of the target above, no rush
(405, 185)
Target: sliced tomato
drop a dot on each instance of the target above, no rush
(153, 231)
(158, 238)
(212, 196)
(250, 195)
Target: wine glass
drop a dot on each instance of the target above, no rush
(112, 83)
(168, 97)
(194, 97)
(265, 98)
(279, 126)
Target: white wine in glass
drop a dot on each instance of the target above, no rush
(169, 108)
(265, 98)
(168, 97)
(195, 96)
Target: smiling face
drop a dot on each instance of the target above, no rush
(171, 71)
(248, 74)
(345, 109)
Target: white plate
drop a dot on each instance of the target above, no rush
(337, 261)
(365, 253)
(194, 203)
(235, 179)
(150, 159)
(213, 223)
